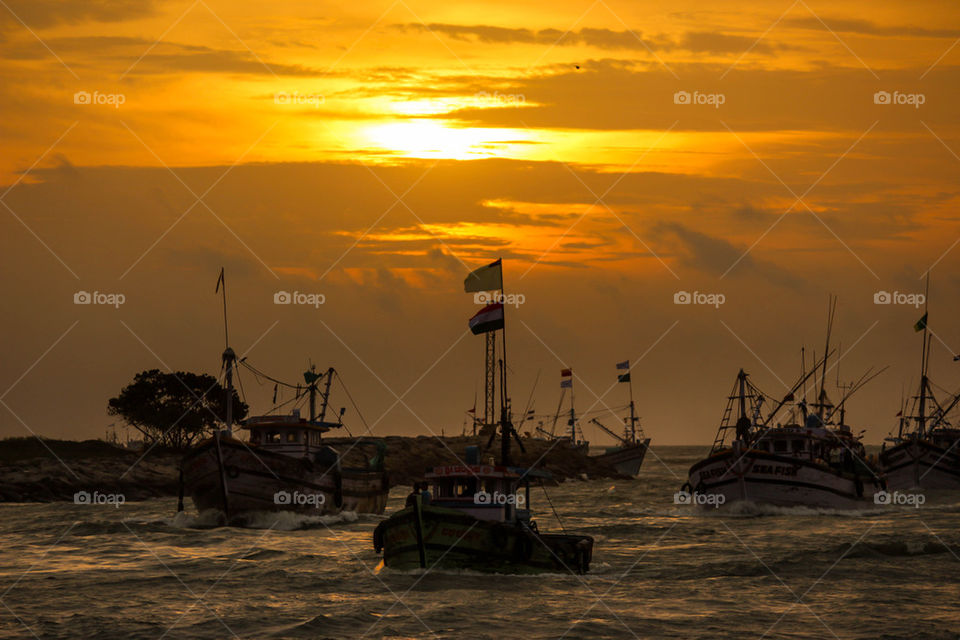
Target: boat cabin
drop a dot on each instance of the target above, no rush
(485, 492)
(287, 434)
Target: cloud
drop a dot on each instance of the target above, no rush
(865, 27)
(41, 14)
(712, 255)
(609, 39)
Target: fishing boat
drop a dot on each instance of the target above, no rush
(809, 461)
(925, 453)
(478, 516)
(283, 464)
(627, 457)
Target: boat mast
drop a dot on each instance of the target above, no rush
(821, 398)
(573, 415)
(924, 363)
(326, 395)
(631, 435)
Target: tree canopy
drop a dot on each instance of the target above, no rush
(174, 409)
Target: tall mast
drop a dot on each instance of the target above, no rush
(229, 357)
(326, 395)
(573, 415)
(831, 307)
(742, 380)
(924, 362)
(632, 436)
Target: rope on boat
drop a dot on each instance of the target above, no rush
(556, 515)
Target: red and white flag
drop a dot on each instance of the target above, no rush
(490, 318)
(566, 378)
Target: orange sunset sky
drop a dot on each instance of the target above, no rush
(612, 153)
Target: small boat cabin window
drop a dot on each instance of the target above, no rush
(293, 436)
(273, 436)
(780, 446)
(763, 445)
(797, 446)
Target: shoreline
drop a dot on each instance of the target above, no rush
(54, 470)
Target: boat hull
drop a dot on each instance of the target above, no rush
(921, 464)
(258, 480)
(626, 460)
(765, 478)
(455, 540)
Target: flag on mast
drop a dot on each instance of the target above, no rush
(488, 319)
(488, 278)
(624, 365)
(566, 378)
(623, 377)
(921, 323)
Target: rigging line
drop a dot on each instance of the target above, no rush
(262, 374)
(550, 502)
(243, 394)
(353, 404)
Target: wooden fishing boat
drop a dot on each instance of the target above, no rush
(283, 465)
(478, 516)
(925, 453)
(809, 461)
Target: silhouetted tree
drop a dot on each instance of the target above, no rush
(174, 409)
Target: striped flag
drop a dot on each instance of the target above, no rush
(488, 319)
(623, 365)
(566, 378)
